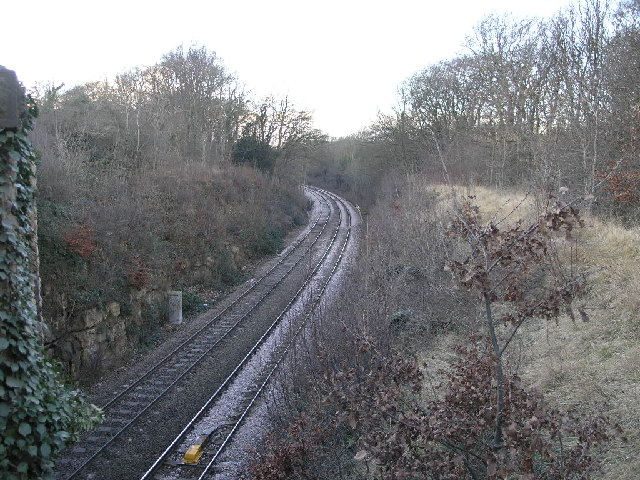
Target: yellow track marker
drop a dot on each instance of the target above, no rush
(195, 451)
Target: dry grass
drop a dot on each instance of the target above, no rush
(595, 365)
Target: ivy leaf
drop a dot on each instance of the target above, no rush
(45, 449)
(10, 223)
(14, 382)
(24, 429)
(6, 134)
(4, 409)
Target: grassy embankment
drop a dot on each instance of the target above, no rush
(594, 364)
(402, 300)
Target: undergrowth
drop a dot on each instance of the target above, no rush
(111, 232)
(403, 387)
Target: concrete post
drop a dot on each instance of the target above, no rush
(9, 98)
(175, 307)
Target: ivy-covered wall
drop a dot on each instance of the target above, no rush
(38, 413)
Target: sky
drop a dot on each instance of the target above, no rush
(341, 59)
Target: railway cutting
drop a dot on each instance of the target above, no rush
(176, 418)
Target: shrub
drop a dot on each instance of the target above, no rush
(450, 436)
(81, 240)
(250, 150)
(191, 302)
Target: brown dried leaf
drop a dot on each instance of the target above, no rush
(352, 421)
(492, 465)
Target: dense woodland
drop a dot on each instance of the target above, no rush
(174, 177)
(551, 103)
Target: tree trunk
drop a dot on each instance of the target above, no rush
(498, 442)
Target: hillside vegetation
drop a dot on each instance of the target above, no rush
(168, 177)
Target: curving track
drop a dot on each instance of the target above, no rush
(222, 417)
(189, 385)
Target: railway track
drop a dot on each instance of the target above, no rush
(213, 428)
(132, 414)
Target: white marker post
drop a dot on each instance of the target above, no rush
(175, 307)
